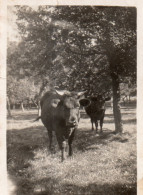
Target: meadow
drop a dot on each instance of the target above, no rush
(102, 164)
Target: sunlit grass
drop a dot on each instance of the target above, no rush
(101, 164)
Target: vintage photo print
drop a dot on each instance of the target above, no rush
(71, 100)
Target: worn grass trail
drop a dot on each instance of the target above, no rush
(102, 164)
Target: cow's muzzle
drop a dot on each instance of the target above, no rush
(71, 124)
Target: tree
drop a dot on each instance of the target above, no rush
(55, 61)
(20, 90)
(79, 50)
(114, 32)
(8, 107)
(39, 44)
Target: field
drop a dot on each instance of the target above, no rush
(102, 164)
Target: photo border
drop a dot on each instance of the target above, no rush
(3, 47)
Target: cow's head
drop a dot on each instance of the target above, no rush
(99, 101)
(69, 107)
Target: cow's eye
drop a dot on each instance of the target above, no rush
(65, 108)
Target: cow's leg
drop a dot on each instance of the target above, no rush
(62, 144)
(63, 149)
(96, 124)
(101, 121)
(50, 139)
(101, 124)
(70, 140)
(92, 123)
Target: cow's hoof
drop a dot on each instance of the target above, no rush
(62, 160)
(70, 157)
(51, 149)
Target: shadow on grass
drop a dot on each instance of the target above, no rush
(25, 116)
(128, 106)
(21, 145)
(47, 187)
(50, 186)
(125, 121)
(90, 140)
(109, 118)
(94, 188)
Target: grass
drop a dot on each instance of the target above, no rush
(102, 164)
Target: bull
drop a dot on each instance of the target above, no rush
(60, 113)
(96, 110)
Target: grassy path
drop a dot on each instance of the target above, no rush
(102, 164)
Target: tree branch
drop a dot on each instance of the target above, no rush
(93, 52)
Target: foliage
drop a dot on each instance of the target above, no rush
(128, 88)
(90, 48)
(108, 31)
(20, 90)
(74, 49)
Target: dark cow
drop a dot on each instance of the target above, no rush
(96, 110)
(60, 113)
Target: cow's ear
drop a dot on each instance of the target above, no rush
(84, 102)
(55, 102)
(108, 98)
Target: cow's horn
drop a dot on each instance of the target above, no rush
(81, 93)
(61, 93)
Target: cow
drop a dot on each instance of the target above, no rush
(60, 113)
(96, 110)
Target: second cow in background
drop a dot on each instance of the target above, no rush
(96, 110)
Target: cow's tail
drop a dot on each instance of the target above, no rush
(37, 119)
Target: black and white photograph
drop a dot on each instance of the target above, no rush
(71, 100)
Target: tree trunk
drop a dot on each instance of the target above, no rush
(116, 103)
(44, 84)
(39, 109)
(8, 107)
(13, 107)
(129, 98)
(22, 107)
(35, 103)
